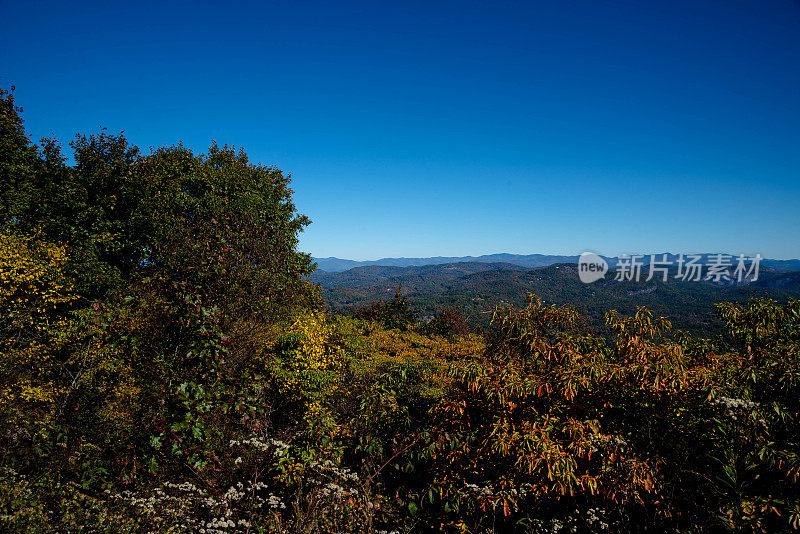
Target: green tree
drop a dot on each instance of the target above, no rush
(395, 313)
(18, 162)
(214, 219)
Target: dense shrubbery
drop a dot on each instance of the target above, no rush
(164, 367)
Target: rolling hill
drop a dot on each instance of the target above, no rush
(476, 288)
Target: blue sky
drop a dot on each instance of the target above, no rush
(434, 128)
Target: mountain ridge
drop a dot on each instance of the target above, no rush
(333, 264)
(476, 288)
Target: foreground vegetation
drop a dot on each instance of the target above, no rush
(165, 367)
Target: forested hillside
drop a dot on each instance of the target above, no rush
(167, 366)
(476, 288)
(521, 260)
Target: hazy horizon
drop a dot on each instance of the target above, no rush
(543, 254)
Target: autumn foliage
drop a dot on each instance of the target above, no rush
(166, 367)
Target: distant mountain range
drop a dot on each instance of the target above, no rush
(522, 260)
(477, 287)
(422, 278)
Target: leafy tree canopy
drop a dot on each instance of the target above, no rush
(212, 219)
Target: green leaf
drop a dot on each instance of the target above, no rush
(413, 509)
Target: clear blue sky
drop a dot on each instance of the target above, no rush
(419, 129)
